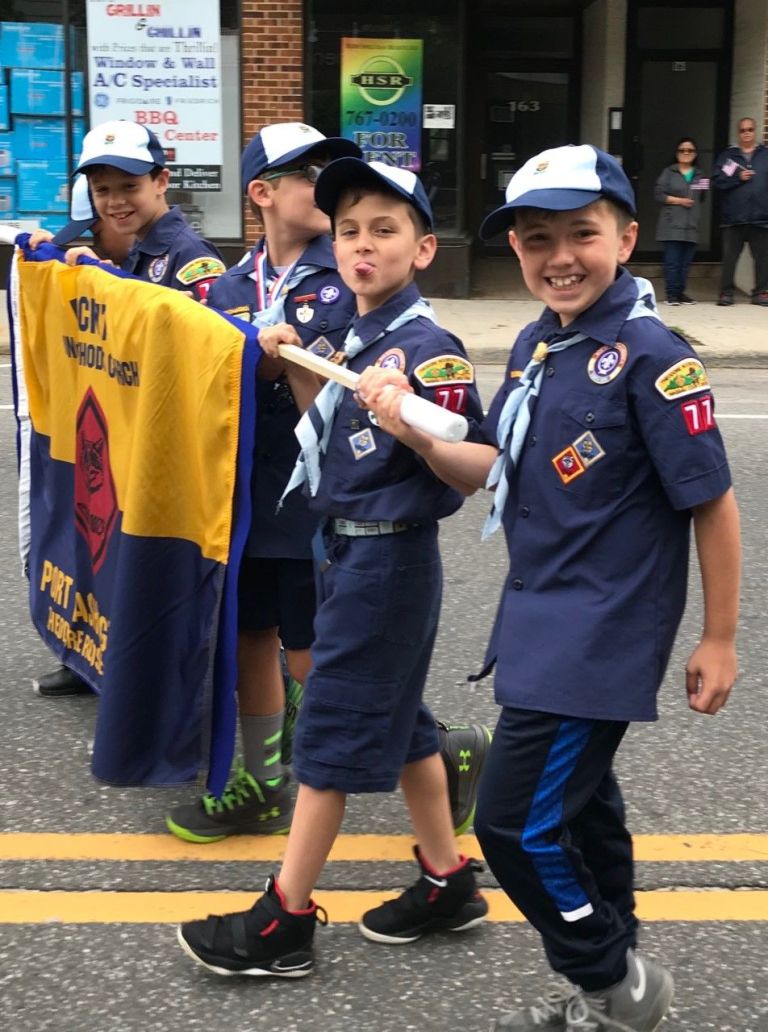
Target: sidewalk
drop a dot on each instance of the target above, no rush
(736, 336)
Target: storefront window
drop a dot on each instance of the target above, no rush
(421, 133)
(42, 123)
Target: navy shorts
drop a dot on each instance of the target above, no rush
(362, 718)
(278, 593)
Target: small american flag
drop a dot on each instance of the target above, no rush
(730, 167)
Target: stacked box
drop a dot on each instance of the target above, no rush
(7, 198)
(39, 91)
(3, 105)
(31, 45)
(7, 155)
(42, 186)
(45, 138)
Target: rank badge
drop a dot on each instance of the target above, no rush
(568, 464)
(362, 443)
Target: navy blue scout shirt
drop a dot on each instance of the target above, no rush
(173, 255)
(621, 445)
(320, 308)
(368, 474)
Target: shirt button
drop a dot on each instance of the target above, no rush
(590, 417)
(550, 370)
(525, 512)
(517, 584)
(323, 324)
(532, 440)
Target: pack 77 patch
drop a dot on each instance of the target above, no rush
(699, 414)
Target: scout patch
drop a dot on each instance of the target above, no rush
(568, 464)
(699, 414)
(588, 448)
(322, 347)
(362, 443)
(392, 359)
(685, 377)
(157, 268)
(304, 313)
(445, 369)
(329, 294)
(243, 312)
(515, 374)
(206, 267)
(607, 362)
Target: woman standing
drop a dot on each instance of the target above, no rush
(678, 226)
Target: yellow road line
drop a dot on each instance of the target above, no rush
(170, 907)
(350, 848)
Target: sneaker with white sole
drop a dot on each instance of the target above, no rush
(636, 1004)
(436, 903)
(265, 940)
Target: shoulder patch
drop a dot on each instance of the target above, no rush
(688, 376)
(445, 369)
(206, 267)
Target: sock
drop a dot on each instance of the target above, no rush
(262, 738)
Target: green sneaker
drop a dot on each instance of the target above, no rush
(246, 807)
(463, 749)
(294, 693)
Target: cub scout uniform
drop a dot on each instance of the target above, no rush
(173, 255)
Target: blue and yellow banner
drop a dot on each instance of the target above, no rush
(136, 431)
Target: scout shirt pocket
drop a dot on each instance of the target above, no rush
(319, 325)
(593, 436)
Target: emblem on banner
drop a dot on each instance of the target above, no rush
(95, 494)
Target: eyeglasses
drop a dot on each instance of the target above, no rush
(310, 173)
(747, 129)
(686, 150)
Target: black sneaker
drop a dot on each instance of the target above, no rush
(447, 903)
(725, 299)
(463, 750)
(246, 807)
(685, 300)
(672, 301)
(265, 940)
(60, 683)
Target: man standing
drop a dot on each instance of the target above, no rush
(741, 173)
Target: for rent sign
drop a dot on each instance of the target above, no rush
(381, 99)
(160, 65)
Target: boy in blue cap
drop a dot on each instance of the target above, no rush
(288, 279)
(363, 725)
(125, 167)
(601, 447)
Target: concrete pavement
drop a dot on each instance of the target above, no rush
(722, 336)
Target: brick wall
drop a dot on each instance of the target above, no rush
(272, 44)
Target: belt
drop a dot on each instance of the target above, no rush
(368, 528)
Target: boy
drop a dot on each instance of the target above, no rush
(125, 167)
(601, 447)
(289, 278)
(363, 725)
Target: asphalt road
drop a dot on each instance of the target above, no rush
(685, 776)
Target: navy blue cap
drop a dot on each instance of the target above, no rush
(278, 145)
(345, 172)
(562, 179)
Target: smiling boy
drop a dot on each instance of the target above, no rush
(600, 456)
(128, 179)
